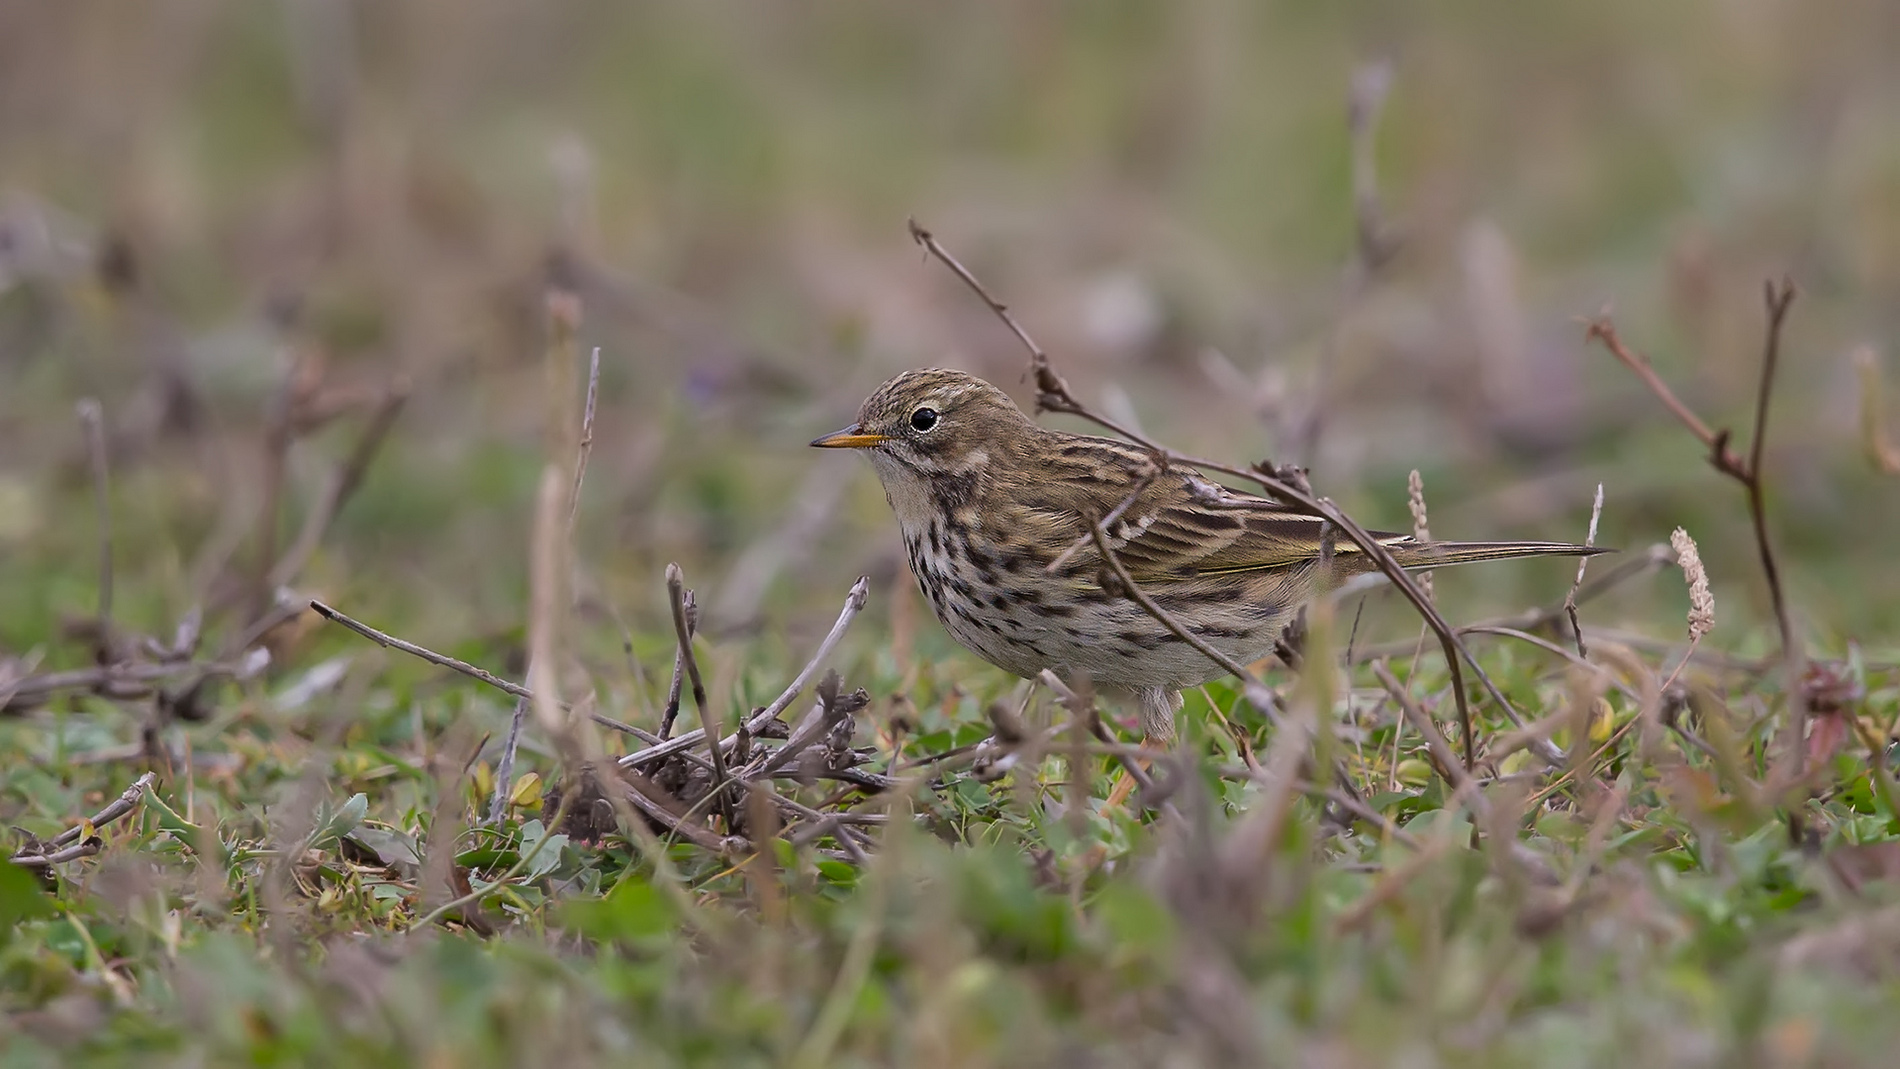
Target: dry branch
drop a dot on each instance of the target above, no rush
(853, 604)
(708, 719)
(1777, 297)
(82, 840)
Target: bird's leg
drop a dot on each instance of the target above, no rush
(1158, 706)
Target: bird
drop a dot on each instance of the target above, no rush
(998, 514)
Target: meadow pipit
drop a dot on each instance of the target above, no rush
(988, 500)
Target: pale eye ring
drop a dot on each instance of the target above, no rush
(923, 419)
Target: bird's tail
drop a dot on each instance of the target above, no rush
(1412, 554)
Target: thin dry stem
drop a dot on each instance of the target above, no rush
(1570, 599)
(82, 839)
(585, 447)
(708, 718)
(853, 604)
(1252, 689)
(672, 711)
(1777, 297)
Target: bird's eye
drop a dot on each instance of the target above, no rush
(923, 419)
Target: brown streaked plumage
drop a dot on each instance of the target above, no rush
(988, 499)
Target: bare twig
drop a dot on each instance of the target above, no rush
(1252, 689)
(82, 840)
(672, 711)
(853, 604)
(659, 805)
(1454, 771)
(708, 718)
(831, 709)
(442, 660)
(1603, 329)
(36, 687)
(1777, 296)
(1147, 479)
(586, 445)
(389, 641)
(1570, 599)
(505, 768)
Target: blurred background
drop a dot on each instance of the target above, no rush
(1357, 236)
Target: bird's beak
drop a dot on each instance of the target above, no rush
(850, 438)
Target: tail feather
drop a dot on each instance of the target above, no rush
(1412, 554)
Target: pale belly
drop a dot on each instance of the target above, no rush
(1114, 640)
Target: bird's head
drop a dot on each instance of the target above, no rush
(931, 423)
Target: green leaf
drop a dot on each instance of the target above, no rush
(550, 853)
(396, 849)
(838, 872)
(635, 912)
(20, 898)
(333, 826)
(1133, 919)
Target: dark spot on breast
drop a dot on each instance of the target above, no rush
(954, 491)
(1056, 609)
(1021, 560)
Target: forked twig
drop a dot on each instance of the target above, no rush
(443, 660)
(1777, 296)
(1570, 599)
(853, 604)
(587, 438)
(82, 840)
(672, 711)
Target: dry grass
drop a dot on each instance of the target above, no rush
(331, 281)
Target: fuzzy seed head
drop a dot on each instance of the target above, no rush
(1421, 528)
(1701, 602)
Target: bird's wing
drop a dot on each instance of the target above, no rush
(1180, 525)
(1195, 527)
